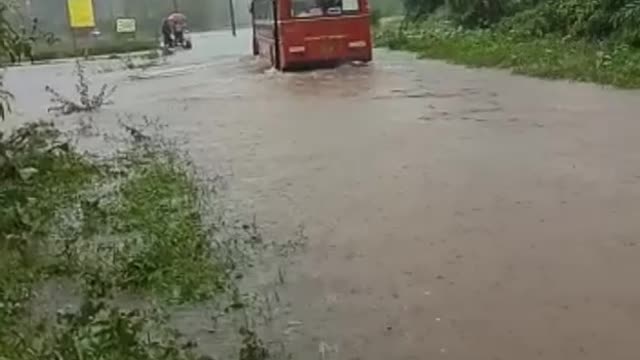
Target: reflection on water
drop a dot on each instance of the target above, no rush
(345, 81)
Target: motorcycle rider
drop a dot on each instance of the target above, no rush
(179, 23)
(167, 32)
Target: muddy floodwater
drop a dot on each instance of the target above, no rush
(452, 213)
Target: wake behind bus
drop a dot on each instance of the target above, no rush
(293, 34)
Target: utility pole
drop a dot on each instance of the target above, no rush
(176, 8)
(28, 10)
(232, 14)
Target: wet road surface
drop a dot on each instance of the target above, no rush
(451, 213)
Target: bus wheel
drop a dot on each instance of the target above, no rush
(279, 64)
(275, 58)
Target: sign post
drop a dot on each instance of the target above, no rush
(232, 14)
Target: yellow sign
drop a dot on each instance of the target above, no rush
(81, 13)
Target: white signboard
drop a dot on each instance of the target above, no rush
(125, 25)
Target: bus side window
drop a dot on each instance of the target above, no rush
(310, 8)
(350, 5)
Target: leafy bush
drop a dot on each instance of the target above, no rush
(164, 244)
(98, 331)
(467, 12)
(549, 57)
(579, 19)
(479, 13)
(376, 16)
(86, 102)
(18, 43)
(5, 99)
(138, 221)
(419, 9)
(132, 222)
(626, 22)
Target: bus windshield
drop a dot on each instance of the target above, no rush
(310, 8)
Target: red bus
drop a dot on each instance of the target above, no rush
(307, 33)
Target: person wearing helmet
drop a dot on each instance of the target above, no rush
(179, 22)
(167, 33)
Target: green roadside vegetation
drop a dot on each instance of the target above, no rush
(584, 40)
(131, 223)
(98, 249)
(384, 9)
(138, 222)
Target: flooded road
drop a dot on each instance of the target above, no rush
(451, 213)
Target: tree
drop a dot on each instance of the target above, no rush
(11, 48)
(596, 19)
(17, 44)
(418, 9)
(6, 49)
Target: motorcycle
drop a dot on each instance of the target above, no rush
(183, 40)
(181, 36)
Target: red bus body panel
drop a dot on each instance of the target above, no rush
(305, 42)
(325, 40)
